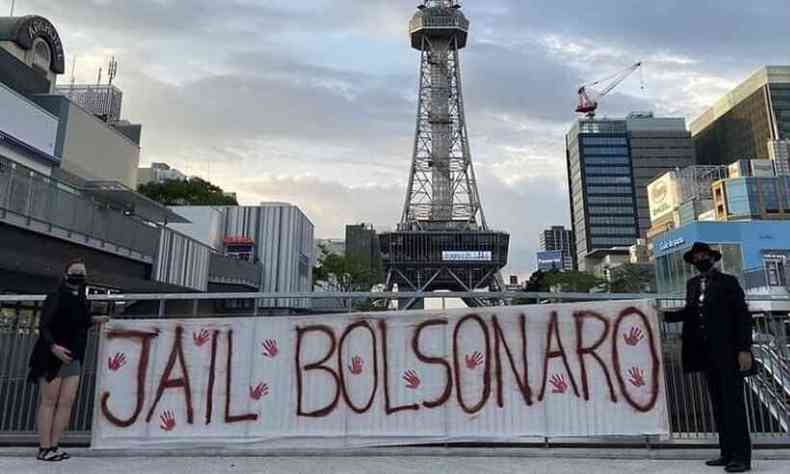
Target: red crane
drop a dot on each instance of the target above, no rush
(589, 97)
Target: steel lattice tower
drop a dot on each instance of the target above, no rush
(443, 241)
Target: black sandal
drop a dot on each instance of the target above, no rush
(48, 454)
(61, 454)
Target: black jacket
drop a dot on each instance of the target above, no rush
(65, 320)
(727, 324)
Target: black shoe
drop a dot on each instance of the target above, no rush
(719, 461)
(738, 466)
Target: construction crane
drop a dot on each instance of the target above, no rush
(589, 96)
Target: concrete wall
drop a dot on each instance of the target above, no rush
(207, 224)
(89, 147)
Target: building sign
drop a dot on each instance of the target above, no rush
(492, 375)
(670, 244)
(663, 195)
(467, 256)
(551, 259)
(30, 28)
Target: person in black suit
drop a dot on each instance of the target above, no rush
(717, 340)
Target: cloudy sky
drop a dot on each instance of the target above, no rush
(313, 102)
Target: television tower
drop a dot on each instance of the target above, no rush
(443, 241)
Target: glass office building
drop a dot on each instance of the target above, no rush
(743, 122)
(600, 182)
(757, 252)
(610, 163)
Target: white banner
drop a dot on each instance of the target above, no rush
(494, 374)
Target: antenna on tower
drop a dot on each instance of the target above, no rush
(12, 7)
(98, 81)
(112, 70)
(73, 76)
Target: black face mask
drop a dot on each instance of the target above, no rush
(704, 266)
(76, 280)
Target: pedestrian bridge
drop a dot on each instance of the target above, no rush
(690, 417)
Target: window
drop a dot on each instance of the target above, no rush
(609, 170)
(604, 141)
(610, 200)
(597, 210)
(609, 180)
(607, 160)
(606, 150)
(611, 220)
(609, 190)
(612, 241)
(613, 230)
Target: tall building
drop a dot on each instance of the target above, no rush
(556, 239)
(610, 163)
(362, 244)
(740, 125)
(658, 144)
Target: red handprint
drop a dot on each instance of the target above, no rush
(269, 348)
(168, 420)
(200, 338)
(117, 361)
(411, 379)
(473, 360)
(258, 391)
(636, 376)
(559, 383)
(634, 336)
(357, 363)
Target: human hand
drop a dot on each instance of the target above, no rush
(745, 361)
(62, 353)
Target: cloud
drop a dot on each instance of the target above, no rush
(314, 102)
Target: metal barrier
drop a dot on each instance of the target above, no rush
(690, 416)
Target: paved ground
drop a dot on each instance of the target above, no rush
(395, 461)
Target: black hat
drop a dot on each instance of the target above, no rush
(701, 247)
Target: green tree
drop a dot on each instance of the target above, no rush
(633, 278)
(573, 281)
(195, 192)
(343, 273)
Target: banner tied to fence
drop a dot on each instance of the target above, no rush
(494, 374)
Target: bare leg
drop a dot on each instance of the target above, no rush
(48, 400)
(68, 392)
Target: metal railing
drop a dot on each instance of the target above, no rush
(34, 197)
(690, 416)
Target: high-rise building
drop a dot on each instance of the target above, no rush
(658, 144)
(557, 239)
(742, 122)
(610, 163)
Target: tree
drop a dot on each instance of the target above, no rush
(195, 192)
(633, 278)
(573, 281)
(342, 272)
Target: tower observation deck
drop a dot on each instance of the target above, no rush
(442, 241)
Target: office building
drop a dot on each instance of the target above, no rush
(60, 195)
(658, 144)
(558, 238)
(752, 197)
(755, 251)
(609, 163)
(553, 260)
(742, 123)
(159, 173)
(279, 235)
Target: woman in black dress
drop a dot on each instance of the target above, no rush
(56, 361)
